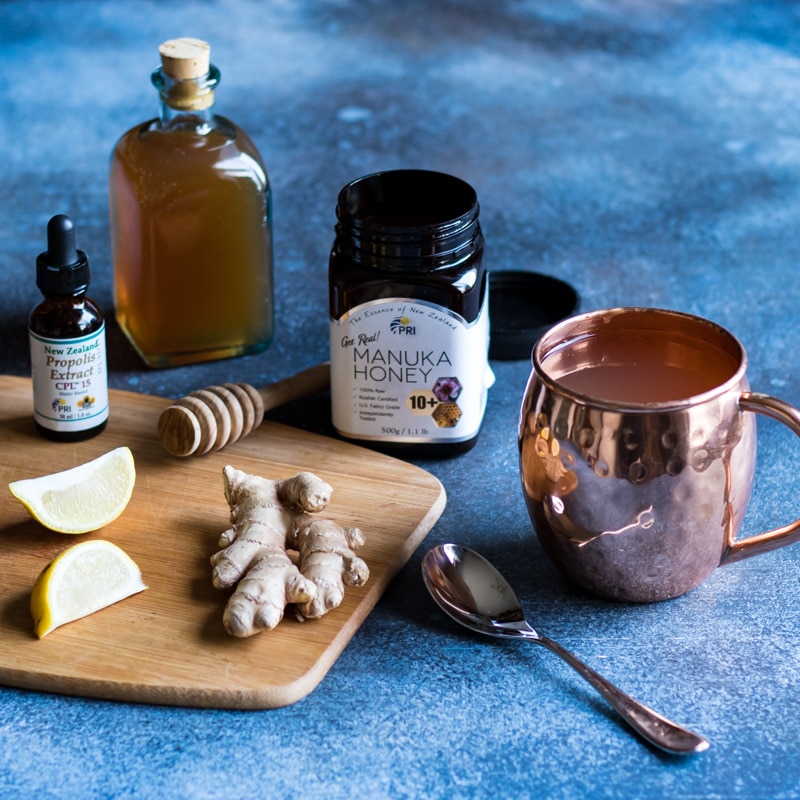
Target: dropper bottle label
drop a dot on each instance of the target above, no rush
(67, 342)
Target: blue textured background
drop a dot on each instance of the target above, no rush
(649, 153)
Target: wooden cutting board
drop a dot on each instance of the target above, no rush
(167, 645)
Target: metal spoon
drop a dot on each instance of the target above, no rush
(468, 588)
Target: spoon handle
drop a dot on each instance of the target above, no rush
(656, 729)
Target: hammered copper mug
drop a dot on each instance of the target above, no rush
(638, 448)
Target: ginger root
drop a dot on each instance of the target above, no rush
(268, 517)
(328, 560)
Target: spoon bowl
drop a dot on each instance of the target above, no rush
(471, 591)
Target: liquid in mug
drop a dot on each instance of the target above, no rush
(621, 370)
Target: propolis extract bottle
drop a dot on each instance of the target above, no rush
(409, 318)
(68, 342)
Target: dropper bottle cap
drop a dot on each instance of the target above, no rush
(63, 269)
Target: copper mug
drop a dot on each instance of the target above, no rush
(638, 449)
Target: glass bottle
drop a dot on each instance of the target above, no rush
(409, 319)
(67, 337)
(191, 224)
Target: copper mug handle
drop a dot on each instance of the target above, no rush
(739, 549)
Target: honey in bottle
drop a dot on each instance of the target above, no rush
(191, 224)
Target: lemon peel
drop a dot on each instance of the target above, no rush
(83, 498)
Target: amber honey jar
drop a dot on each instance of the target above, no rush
(409, 317)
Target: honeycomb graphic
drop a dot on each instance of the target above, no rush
(446, 415)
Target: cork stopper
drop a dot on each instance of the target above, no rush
(185, 58)
(190, 76)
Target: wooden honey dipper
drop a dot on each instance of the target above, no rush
(211, 418)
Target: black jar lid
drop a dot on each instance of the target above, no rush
(522, 306)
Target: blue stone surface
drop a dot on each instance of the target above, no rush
(649, 154)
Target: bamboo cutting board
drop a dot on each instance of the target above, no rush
(167, 645)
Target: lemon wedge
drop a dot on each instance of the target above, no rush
(83, 498)
(83, 579)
